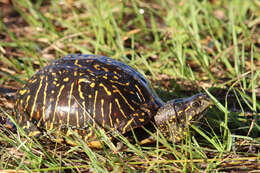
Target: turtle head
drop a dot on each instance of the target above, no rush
(174, 116)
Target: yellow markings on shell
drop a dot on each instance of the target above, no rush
(105, 69)
(115, 77)
(119, 106)
(75, 73)
(117, 121)
(109, 114)
(120, 83)
(21, 92)
(66, 79)
(44, 99)
(69, 103)
(54, 74)
(95, 102)
(90, 71)
(37, 115)
(82, 74)
(122, 96)
(89, 60)
(34, 80)
(27, 102)
(127, 124)
(105, 88)
(80, 88)
(96, 66)
(90, 96)
(102, 112)
(56, 103)
(36, 97)
(17, 101)
(92, 85)
(105, 77)
(139, 91)
(77, 63)
(83, 102)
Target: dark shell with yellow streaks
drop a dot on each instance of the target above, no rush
(83, 91)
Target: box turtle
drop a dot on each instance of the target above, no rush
(86, 92)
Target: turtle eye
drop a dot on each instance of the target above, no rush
(196, 104)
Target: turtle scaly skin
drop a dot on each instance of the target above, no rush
(87, 92)
(174, 116)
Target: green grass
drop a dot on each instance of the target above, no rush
(182, 47)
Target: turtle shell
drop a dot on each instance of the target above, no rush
(85, 91)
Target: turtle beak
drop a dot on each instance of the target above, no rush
(204, 103)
